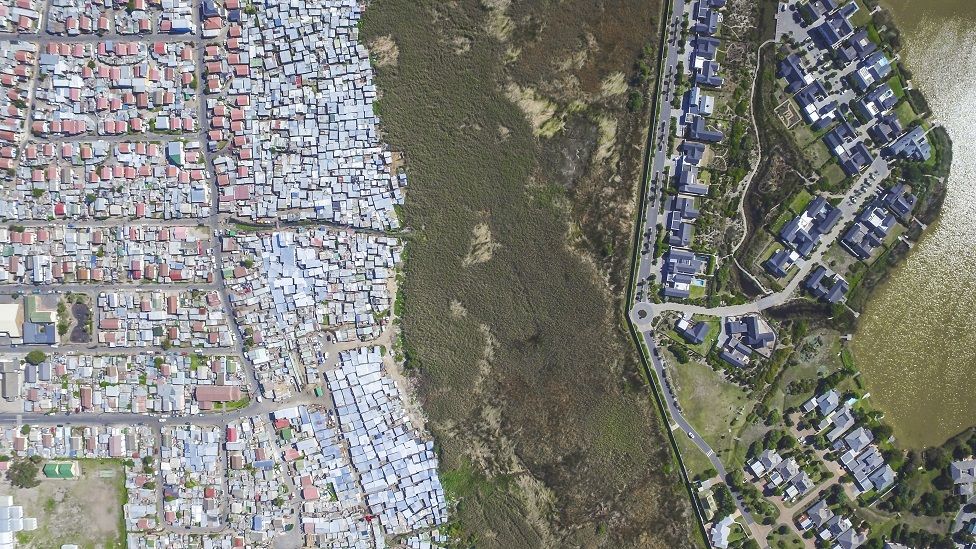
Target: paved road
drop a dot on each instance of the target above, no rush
(852, 202)
(660, 130)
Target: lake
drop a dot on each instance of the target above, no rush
(916, 343)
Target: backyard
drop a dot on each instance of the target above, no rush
(86, 511)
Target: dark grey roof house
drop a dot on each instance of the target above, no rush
(875, 68)
(696, 131)
(877, 102)
(869, 230)
(849, 150)
(885, 129)
(900, 201)
(913, 145)
(826, 285)
(855, 48)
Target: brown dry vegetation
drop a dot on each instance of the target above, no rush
(523, 161)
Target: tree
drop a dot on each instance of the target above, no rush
(36, 357)
(23, 474)
(882, 432)
(635, 102)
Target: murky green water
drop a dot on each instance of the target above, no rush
(916, 345)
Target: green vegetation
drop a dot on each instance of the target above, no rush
(23, 474)
(538, 377)
(35, 357)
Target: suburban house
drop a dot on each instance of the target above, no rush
(815, 105)
(850, 151)
(913, 145)
(826, 285)
(900, 201)
(692, 332)
(869, 230)
(877, 102)
(875, 68)
(681, 267)
(803, 232)
(780, 263)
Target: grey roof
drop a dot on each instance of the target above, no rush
(913, 145)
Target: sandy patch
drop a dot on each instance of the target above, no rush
(539, 111)
(606, 140)
(385, 51)
(500, 25)
(457, 309)
(614, 84)
(482, 246)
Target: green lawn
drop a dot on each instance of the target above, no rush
(834, 173)
(862, 16)
(818, 154)
(710, 403)
(800, 201)
(906, 115)
(714, 326)
(897, 86)
(786, 540)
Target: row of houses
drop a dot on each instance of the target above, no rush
(58, 254)
(114, 88)
(784, 476)
(802, 234)
(696, 106)
(853, 443)
(187, 318)
(168, 383)
(874, 223)
(864, 71)
(102, 179)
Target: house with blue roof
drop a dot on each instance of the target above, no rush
(900, 201)
(803, 232)
(679, 220)
(745, 335)
(826, 285)
(780, 263)
(698, 103)
(686, 178)
(696, 130)
(913, 145)
(849, 150)
(680, 272)
(877, 102)
(705, 47)
(835, 28)
(705, 18)
(869, 230)
(707, 73)
(855, 48)
(693, 152)
(885, 129)
(816, 106)
(691, 331)
(815, 9)
(875, 68)
(679, 230)
(791, 69)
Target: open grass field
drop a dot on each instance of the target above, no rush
(514, 122)
(711, 404)
(86, 511)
